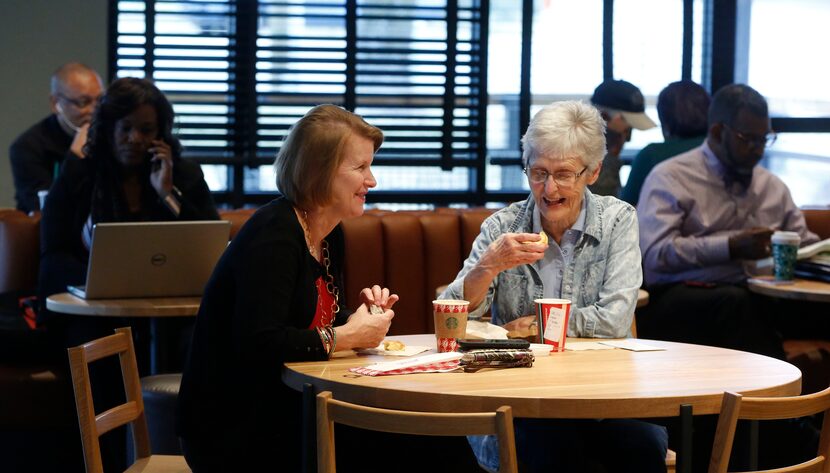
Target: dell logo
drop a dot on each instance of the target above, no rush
(158, 259)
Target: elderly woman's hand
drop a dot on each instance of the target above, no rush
(511, 250)
(364, 329)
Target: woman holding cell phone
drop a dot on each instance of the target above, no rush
(276, 296)
(133, 172)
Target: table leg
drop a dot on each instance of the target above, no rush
(309, 429)
(684, 453)
(753, 445)
(154, 346)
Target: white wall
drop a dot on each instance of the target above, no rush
(37, 37)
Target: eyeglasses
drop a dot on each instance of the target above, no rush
(83, 101)
(563, 179)
(754, 140)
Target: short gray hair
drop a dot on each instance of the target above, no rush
(564, 129)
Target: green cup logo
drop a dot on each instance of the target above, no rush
(451, 323)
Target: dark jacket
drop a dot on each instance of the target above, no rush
(34, 156)
(234, 413)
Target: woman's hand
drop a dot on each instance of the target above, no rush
(161, 165)
(379, 296)
(364, 329)
(511, 250)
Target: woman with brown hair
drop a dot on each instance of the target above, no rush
(275, 297)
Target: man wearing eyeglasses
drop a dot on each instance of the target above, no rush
(704, 215)
(38, 152)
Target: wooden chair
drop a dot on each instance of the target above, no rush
(735, 407)
(330, 411)
(132, 411)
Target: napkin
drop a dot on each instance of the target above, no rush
(485, 330)
(379, 350)
(433, 363)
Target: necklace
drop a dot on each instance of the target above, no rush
(303, 218)
(325, 258)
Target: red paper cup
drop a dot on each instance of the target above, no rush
(450, 316)
(552, 317)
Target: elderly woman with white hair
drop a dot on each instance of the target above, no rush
(592, 257)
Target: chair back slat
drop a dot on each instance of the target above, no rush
(116, 417)
(406, 422)
(330, 411)
(736, 407)
(132, 411)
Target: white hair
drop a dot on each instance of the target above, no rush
(565, 129)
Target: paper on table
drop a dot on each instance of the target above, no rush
(583, 346)
(379, 350)
(485, 330)
(629, 344)
(418, 360)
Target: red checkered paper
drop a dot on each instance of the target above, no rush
(434, 363)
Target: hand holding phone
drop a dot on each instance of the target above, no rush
(161, 167)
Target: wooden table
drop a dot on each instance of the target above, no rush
(800, 289)
(152, 307)
(580, 384)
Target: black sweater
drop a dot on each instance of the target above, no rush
(233, 409)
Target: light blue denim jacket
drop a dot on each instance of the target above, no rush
(602, 279)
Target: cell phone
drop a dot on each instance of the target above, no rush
(489, 344)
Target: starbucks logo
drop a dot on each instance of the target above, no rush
(452, 322)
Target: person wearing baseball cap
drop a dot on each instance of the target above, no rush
(623, 107)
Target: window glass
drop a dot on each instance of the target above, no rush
(802, 161)
(795, 84)
(648, 53)
(567, 49)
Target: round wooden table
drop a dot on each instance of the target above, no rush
(800, 289)
(681, 380)
(581, 384)
(152, 307)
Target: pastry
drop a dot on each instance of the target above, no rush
(543, 238)
(393, 345)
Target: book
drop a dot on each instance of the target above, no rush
(805, 252)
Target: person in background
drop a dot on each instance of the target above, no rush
(592, 258)
(133, 171)
(35, 154)
(682, 108)
(623, 107)
(703, 215)
(275, 296)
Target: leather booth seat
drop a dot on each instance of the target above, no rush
(159, 393)
(410, 252)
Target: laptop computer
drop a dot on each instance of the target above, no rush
(152, 259)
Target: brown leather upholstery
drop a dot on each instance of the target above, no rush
(412, 253)
(818, 221)
(19, 251)
(237, 218)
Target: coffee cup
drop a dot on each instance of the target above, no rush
(784, 254)
(552, 317)
(450, 316)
